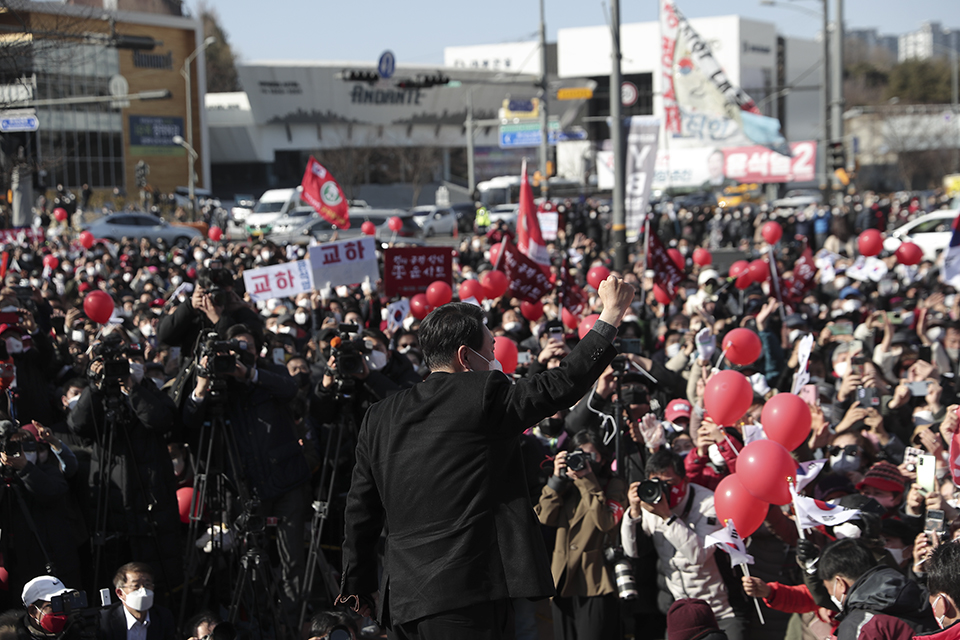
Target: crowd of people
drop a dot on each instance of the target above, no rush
(186, 452)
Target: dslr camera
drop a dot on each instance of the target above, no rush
(577, 460)
(652, 490)
(217, 281)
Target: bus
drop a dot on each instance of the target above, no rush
(506, 190)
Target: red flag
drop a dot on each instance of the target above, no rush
(527, 280)
(665, 271)
(574, 299)
(323, 193)
(804, 271)
(529, 238)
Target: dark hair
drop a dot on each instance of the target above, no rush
(244, 330)
(324, 622)
(120, 578)
(446, 329)
(589, 436)
(943, 571)
(208, 617)
(663, 460)
(847, 558)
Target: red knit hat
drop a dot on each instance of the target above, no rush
(689, 618)
(883, 476)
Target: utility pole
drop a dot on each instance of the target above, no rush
(616, 138)
(544, 88)
(836, 82)
(827, 182)
(471, 169)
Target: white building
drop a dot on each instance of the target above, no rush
(931, 40)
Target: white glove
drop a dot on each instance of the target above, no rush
(366, 287)
(652, 431)
(706, 344)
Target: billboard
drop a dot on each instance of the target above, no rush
(153, 136)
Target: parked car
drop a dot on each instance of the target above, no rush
(504, 213)
(293, 219)
(434, 221)
(273, 204)
(931, 232)
(409, 229)
(243, 205)
(798, 198)
(135, 224)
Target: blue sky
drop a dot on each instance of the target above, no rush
(418, 30)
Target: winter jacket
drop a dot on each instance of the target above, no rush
(884, 605)
(689, 568)
(950, 633)
(790, 598)
(701, 472)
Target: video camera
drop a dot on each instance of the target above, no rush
(217, 281)
(115, 358)
(348, 353)
(222, 355)
(7, 444)
(83, 621)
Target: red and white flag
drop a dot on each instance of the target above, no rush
(323, 193)
(730, 541)
(812, 512)
(529, 238)
(809, 470)
(665, 271)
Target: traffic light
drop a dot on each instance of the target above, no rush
(836, 157)
(353, 75)
(423, 81)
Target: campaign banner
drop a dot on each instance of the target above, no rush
(665, 272)
(278, 280)
(321, 191)
(759, 164)
(344, 263)
(527, 279)
(549, 224)
(410, 270)
(642, 141)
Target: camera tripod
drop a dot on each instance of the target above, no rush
(9, 484)
(218, 484)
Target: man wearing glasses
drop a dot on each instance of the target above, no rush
(136, 617)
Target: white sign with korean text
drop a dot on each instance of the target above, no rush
(346, 262)
(278, 281)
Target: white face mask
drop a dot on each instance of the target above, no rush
(921, 418)
(140, 600)
(939, 619)
(72, 403)
(833, 596)
(14, 345)
(715, 456)
(127, 276)
(178, 260)
(847, 530)
(843, 463)
(376, 360)
(31, 456)
(512, 326)
(136, 371)
(176, 281)
(840, 283)
(850, 306)
(300, 318)
(898, 554)
(492, 365)
(146, 330)
(672, 350)
(934, 333)
(841, 369)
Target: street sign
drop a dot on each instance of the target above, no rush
(119, 86)
(387, 65)
(528, 135)
(575, 93)
(629, 94)
(12, 124)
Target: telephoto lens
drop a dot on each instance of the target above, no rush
(626, 586)
(651, 491)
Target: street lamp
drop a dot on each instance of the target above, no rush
(191, 159)
(185, 72)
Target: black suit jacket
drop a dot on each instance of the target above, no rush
(113, 624)
(439, 467)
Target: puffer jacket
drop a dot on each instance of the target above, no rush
(689, 569)
(883, 604)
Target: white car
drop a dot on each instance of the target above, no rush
(931, 232)
(293, 219)
(798, 198)
(435, 220)
(504, 213)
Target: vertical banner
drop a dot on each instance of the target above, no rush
(642, 141)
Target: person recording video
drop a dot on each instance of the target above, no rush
(255, 396)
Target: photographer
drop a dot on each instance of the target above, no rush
(40, 620)
(130, 423)
(33, 358)
(677, 515)
(256, 400)
(213, 304)
(586, 605)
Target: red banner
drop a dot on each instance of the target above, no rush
(527, 280)
(410, 270)
(574, 299)
(760, 164)
(323, 193)
(804, 271)
(529, 239)
(665, 271)
(20, 235)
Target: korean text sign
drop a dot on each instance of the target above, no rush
(346, 262)
(278, 281)
(410, 270)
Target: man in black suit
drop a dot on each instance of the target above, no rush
(441, 463)
(136, 617)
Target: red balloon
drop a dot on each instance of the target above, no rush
(98, 306)
(532, 311)
(765, 469)
(742, 346)
(395, 223)
(419, 307)
(759, 270)
(215, 233)
(727, 396)
(771, 232)
(733, 502)
(744, 280)
(586, 324)
(702, 257)
(677, 258)
(737, 268)
(596, 275)
(368, 228)
(86, 239)
(60, 214)
(870, 242)
(570, 321)
(4, 579)
(471, 289)
(184, 498)
(439, 293)
(51, 262)
(661, 294)
(909, 254)
(786, 419)
(505, 350)
(495, 283)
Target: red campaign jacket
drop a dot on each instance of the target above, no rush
(700, 472)
(950, 633)
(790, 598)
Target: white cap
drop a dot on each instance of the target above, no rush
(42, 588)
(707, 274)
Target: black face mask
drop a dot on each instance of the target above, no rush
(551, 427)
(634, 395)
(302, 379)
